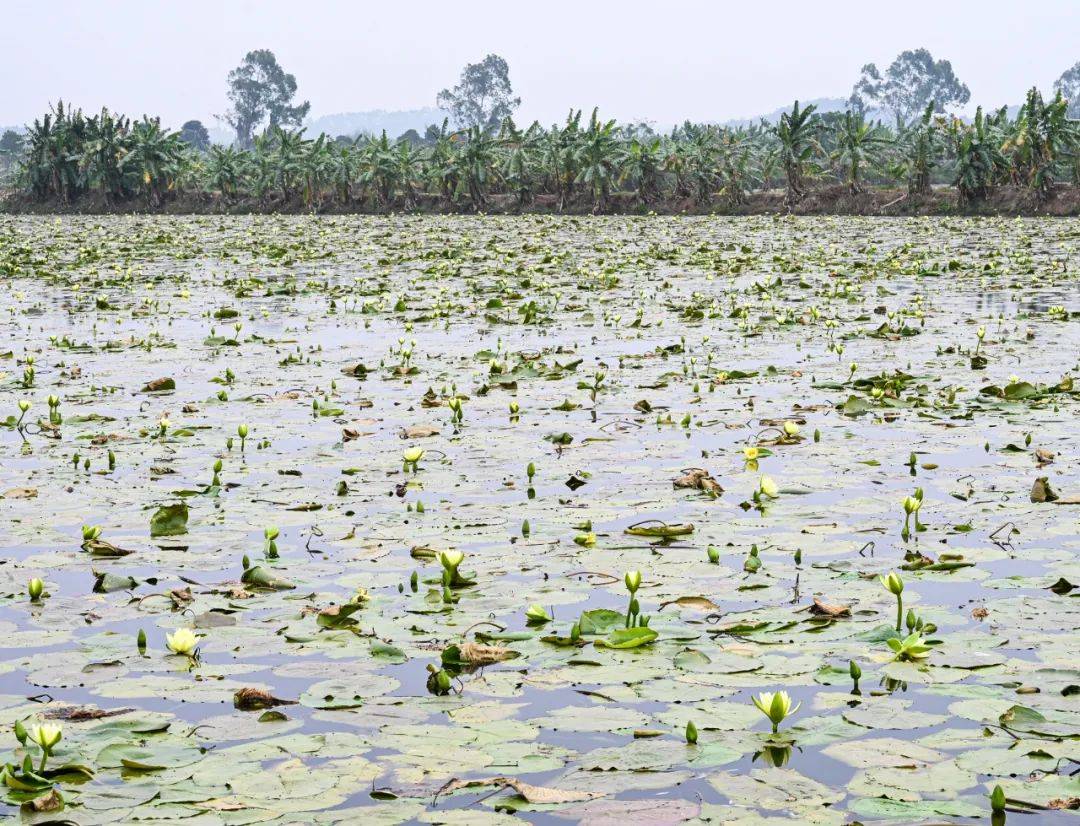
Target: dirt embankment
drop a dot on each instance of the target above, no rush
(832, 200)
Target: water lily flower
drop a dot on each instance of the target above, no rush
(413, 455)
(450, 560)
(790, 428)
(585, 540)
(183, 641)
(632, 580)
(35, 588)
(776, 706)
(751, 453)
(911, 648)
(767, 487)
(46, 736)
(911, 505)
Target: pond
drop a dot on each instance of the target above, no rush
(511, 519)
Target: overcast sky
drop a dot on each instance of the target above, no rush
(662, 61)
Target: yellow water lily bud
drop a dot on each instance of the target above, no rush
(790, 428)
(892, 582)
(413, 455)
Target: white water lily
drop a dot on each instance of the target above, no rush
(46, 735)
(451, 559)
(767, 487)
(183, 641)
(776, 706)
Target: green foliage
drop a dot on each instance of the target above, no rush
(913, 81)
(597, 164)
(260, 91)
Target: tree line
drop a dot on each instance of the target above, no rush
(479, 152)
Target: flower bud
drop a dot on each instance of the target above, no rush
(997, 799)
(35, 588)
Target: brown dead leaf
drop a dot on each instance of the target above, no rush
(698, 478)
(1041, 491)
(51, 802)
(531, 793)
(701, 603)
(77, 713)
(824, 609)
(255, 699)
(1060, 803)
(980, 613)
(348, 434)
(158, 385)
(419, 431)
(476, 653)
(181, 596)
(99, 547)
(1043, 456)
(21, 493)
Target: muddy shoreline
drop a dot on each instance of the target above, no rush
(833, 200)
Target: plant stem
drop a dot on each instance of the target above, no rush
(899, 612)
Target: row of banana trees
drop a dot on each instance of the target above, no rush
(581, 162)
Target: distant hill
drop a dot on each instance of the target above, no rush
(824, 106)
(373, 122)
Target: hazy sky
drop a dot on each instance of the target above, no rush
(663, 61)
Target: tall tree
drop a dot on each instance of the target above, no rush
(912, 81)
(1069, 86)
(261, 91)
(483, 96)
(194, 134)
(11, 148)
